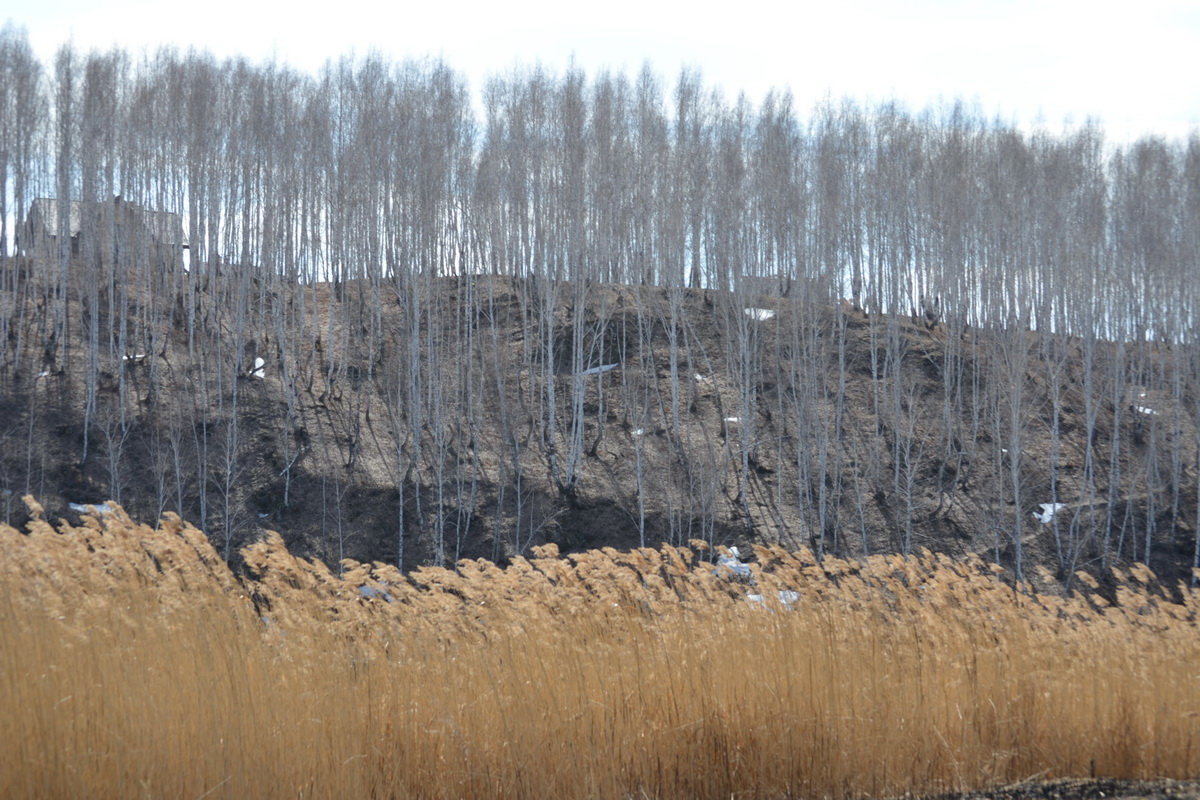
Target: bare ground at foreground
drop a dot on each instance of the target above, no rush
(1082, 789)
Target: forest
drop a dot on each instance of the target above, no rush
(399, 319)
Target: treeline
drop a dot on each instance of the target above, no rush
(381, 181)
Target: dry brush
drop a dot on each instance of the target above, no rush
(135, 663)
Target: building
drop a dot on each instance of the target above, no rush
(108, 231)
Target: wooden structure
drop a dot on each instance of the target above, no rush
(108, 232)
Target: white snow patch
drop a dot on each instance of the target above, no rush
(1046, 515)
(787, 598)
(733, 420)
(600, 369)
(260, 368)
(87, 508)
(638, 432)
(371, 593)
(702, 378)
(44, 373)
(736, 568)
(760, 314)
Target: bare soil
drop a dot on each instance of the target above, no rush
(1085, 789)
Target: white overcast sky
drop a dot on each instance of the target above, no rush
(1133, 65)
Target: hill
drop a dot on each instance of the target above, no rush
(426, 419)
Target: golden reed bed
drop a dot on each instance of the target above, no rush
(133, 663)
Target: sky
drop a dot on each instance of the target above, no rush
(1050, 64)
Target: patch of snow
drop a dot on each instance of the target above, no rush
(260, 368)
(733, 420)
(598, 370)
(44, 373)
(638, 432)
(88, 508)
(1046, 515)
(786, 598)
(370, 593)
(1147, 411)
(702, 378)
(760, 314)
(731, 566)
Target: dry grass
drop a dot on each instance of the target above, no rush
(133, 664)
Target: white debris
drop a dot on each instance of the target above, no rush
(88, 508)
(733, 420)
(371, 593)
(137, 358)
(1046, 515)
(598, 370)
(732, 566)
(702, 378)
(638, 432)
(1147, 411)
(260, 368)
(787, 598)
(760, 314)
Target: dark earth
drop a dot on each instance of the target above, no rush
(1083, 789)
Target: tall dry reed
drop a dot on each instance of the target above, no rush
(133, 663)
